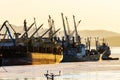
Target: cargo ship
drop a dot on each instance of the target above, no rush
(75, 51)
(47, 53)
(28, 49)
(25, 50)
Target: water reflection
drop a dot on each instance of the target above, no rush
(99, 75)
(93, 74)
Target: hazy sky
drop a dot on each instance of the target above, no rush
(95, 14)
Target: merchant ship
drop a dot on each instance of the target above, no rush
(27, 49)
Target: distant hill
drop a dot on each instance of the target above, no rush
(113, 41)
(112, 38)
(82, 33)
(98, 33)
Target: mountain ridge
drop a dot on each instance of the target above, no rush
(96, 33)
(82, 33)
(111, 37)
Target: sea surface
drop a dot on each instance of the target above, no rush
(98, 75)
(99, 70)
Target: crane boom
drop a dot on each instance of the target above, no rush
(5, 34)
(54, 33)
(46, 32)
(67, 25)
(35, 25)
(9, 32)
(11, 27)
(3, 25)
(27, 30)
(36, 31)
(75, 28)
(50, 25)
(65, 32)
(7, 29)
(53, 25)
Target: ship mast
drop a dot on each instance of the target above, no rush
(67, 25)
(35, 26)
(27, 30)
(77, 36)
(65, 32)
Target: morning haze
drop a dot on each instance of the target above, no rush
(94, 55)
(95, 14)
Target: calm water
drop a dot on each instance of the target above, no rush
(115, 50)
(88, 75)
(98, 75)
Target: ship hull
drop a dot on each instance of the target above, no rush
(70, 58)
(22, 55)
(33, 59)
(45, 58)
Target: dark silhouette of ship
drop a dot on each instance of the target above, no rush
(28, 50)
(75, 51)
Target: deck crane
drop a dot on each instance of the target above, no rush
(27, 30)
(15, 33)
(65, 32)
(5, 34)
(67, 25)
(50, 25)
(69, 32)
(53, 25)
(74, 29)
(24, 37)
(52, 30)
(9, 25)
(44, 34)
(35, 25)
(36, 31)
(32, 39)
(54, 33)
(77, 36)
(7, 29)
